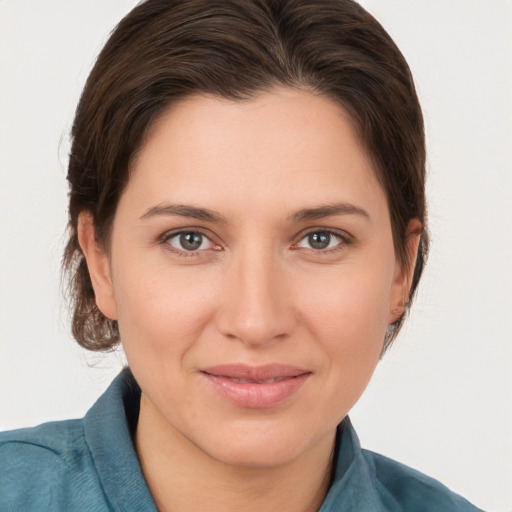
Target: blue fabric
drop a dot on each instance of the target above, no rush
(91, 465)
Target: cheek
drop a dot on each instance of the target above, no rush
(349, 306)
(349, 326)
(347, 315)
(160, 310)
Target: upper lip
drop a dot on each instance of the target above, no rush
(256, 373)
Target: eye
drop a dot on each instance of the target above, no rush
(321, 240)
(189, 241)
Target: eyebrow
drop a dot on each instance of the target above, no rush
(183, 210)
(328, 210)
(204, 214)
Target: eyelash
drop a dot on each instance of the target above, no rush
(344, 241)
(183, 253)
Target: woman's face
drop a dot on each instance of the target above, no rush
(252, 273)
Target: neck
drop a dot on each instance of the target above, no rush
(181, 476)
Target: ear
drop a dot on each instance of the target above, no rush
(98, 265)
(404, 272)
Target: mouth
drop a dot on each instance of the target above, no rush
(250, 381)
(256, 387)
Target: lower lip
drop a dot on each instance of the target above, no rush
(256, 395)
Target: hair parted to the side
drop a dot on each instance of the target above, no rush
(164, 50)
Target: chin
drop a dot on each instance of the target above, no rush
(261, 446)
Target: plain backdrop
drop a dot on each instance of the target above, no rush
(441, 400)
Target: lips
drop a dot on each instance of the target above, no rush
(256, 387)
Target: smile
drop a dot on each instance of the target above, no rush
(249, 381)
(256, 387)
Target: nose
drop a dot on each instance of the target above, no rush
(257, 306)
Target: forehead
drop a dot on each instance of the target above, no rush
(286, 146)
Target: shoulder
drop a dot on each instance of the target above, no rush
(53, 446)
(52, 435)
(44, 467)
(407, 489)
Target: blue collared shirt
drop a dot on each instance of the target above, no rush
(91, 465)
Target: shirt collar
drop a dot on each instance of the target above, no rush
(353, 485)
(109, 427)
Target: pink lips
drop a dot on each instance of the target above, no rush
(256, 387)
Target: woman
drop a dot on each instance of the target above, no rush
(247, 217)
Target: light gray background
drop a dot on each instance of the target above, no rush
(441, 400)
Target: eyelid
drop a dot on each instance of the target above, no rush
(345, 239)
(165, 237)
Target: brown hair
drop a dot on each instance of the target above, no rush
(164, 50)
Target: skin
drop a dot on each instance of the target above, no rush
(255, 292)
